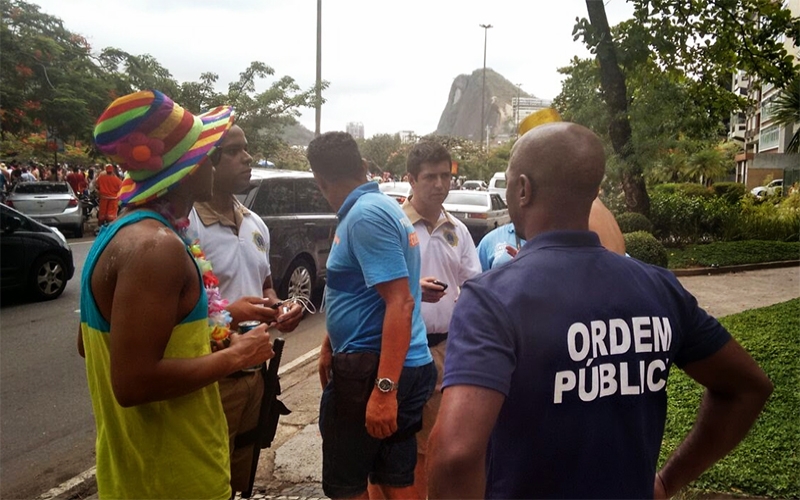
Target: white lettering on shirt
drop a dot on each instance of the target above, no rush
(603, 340)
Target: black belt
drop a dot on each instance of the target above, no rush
(241, 374)
(435, 339)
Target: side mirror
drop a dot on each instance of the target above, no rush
(11, 224)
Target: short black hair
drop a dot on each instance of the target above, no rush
(335, 155)
(426, 151)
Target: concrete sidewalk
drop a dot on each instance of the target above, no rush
(292, 468)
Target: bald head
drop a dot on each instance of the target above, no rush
(554, 175)
(560, 158)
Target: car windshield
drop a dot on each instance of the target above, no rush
(500, 183)
(460, 198)
(41, 188)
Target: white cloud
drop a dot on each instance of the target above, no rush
(390, 64)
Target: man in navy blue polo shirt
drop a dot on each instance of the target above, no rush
(382, 371)
(557, 363)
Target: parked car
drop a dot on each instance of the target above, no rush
(497, 184)
(480, 211)
(400, 191)
(301, 227)
(773, 188)
(51, 203)
(474, 186)
(34, 258)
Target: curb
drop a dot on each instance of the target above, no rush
(700, 271)
(85, 484)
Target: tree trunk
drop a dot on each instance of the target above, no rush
(612, 83)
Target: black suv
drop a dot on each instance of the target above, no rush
(301, 227)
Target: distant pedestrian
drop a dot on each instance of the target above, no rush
(108, 186)
(557, 363)
(77, 181)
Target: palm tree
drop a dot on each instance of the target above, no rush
(786, 109)
(708, 164)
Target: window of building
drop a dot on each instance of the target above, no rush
(768, 139)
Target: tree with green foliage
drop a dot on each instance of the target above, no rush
(52, 82)
(379, 148)
(705, 41)
(786, 109)
(48, 79)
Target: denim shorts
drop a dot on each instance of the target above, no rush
(350, 455)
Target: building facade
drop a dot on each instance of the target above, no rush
(356, 129)
(756, 128)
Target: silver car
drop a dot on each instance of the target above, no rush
(400, 191)
(480, 211)
(50, 203)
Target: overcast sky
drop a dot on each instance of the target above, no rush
(390, 64)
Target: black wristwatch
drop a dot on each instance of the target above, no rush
(386, 385)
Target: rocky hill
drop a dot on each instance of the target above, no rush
(462, 114)
(297, 135)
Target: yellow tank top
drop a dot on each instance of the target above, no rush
(174, 449)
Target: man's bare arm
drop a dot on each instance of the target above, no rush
(736, 391)
(602, 222)
(457, 452)
(146, 307)
(382, 407)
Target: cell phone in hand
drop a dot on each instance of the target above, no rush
(441, 284)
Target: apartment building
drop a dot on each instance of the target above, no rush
(756, 129)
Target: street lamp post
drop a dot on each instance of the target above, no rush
(483, 90)
(318, 103)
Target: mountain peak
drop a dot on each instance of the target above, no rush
(461, 116)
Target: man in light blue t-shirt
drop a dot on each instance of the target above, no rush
(375, 366)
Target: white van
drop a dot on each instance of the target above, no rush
(497, 184)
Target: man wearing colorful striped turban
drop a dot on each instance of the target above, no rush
(146, 294)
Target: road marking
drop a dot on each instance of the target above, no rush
(68, 485)
(299, 361)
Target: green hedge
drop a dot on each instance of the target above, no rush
(687, 189)
(732, 253)
(732, 192)
(766, 462)
(645, 247)
(680, 219)
(630, 222)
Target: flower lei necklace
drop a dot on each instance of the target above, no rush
(219, 319)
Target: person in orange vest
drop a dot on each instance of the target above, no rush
(108, 185)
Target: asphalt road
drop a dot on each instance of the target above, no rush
(47, 428)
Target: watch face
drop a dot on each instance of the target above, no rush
(385, 384)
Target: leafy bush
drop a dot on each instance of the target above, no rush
(763, 221)
(766, 462)
(679, 219)
(732, 192)
(645, 247)
(630, 222)
(731, 253)
(688, 189)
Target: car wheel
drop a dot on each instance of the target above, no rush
(78, 231)
(48, 277)
(298, 280)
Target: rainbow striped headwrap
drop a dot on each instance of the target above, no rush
(157, 142)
